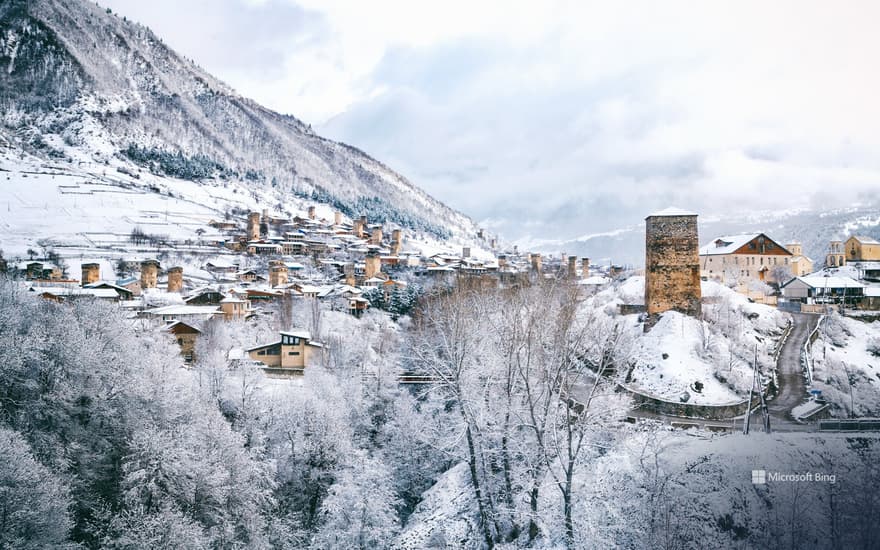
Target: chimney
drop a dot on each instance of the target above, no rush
(337, 218)
(376, 236)
(175, 279)
(91, 273)
(312, 214)
(585, 267)
(572, 267)
(253, 226)
(465, 252)
(149, 274)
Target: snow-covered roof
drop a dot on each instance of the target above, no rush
(76, 291)
(865, 240)
(170, 326)
(297, 333)
(595, 280)
(727, 244)
(872, 291)
(673, 211)
(821, 281)
(184, 310)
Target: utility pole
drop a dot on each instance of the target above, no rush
(751, 391)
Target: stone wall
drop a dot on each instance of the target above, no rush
(672, 264)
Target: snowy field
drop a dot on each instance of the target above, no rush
(710, 360)
(91, 209)
(846, 365)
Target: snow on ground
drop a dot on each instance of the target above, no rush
(446, 516)
(657, 487)
(87, 207)
(680, 351)
(845, 368)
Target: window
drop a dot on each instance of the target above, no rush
(180, 341)
(292, 353)
(261, 352)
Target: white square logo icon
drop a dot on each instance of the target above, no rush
(759, 477)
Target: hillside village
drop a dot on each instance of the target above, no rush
(247, 268)
(222, 330)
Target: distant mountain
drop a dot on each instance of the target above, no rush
(813, 228)
(80, 84)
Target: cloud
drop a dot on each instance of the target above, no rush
(556, 120)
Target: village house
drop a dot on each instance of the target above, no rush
(862, 249)
(123, 293)
(741, 257)
(823, 289)
(800, 265)
(234, 308)
(204, 296)
(185, 335)
(291, 354)
(263, 249)
(63, 293)
(860, 254)
(186, 313)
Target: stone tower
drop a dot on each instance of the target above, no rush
(253, 226)
(536, 262)
(372, 265)
(360, 225)
(585, 267)
(795, 248)
(277, 274)
(396, 242)
(572, 267)
(376, 236)
(312, 213)
(337, 218)
(149, 274)
(175, 279)
(835, 257)
(91, 273)
(348, 269)
(672, 263)
(465, 252)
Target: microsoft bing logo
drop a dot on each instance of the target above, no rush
(759, 477)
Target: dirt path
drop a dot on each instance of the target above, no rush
(792, 388)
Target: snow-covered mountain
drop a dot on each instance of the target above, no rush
(84, 89)
(814, 228)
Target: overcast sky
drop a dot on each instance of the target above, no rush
(563, 119)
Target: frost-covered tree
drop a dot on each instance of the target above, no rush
(34, 502)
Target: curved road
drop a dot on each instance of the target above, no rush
(790, 376)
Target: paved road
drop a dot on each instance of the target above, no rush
(790, 376)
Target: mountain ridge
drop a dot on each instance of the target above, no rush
(76, 76)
